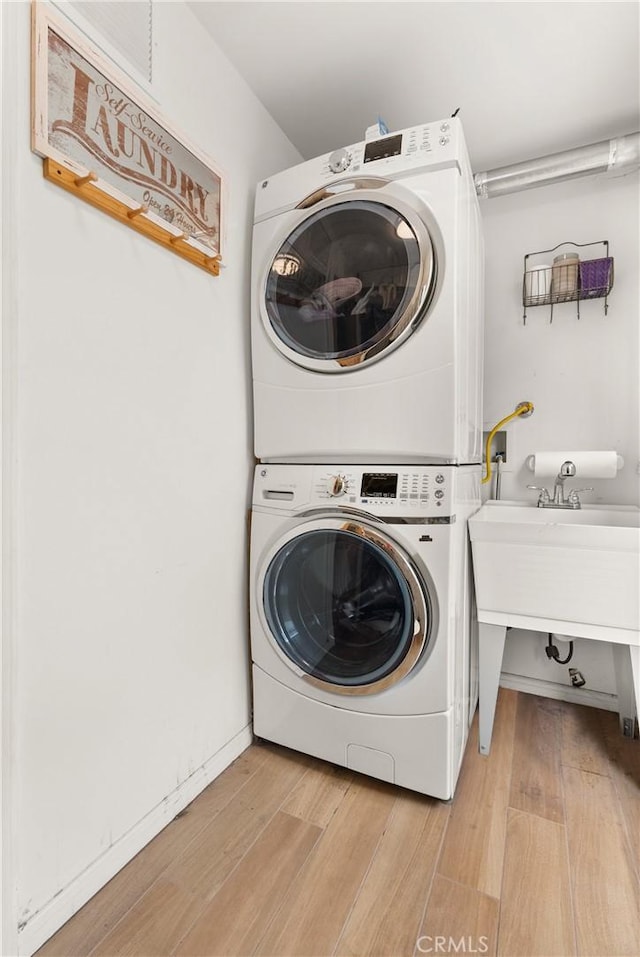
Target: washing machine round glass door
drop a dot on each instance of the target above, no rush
(352, 280)
(346, 607)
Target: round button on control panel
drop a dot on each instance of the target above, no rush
(339, 161)
(336, 486)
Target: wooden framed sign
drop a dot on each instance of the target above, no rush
(105, 136)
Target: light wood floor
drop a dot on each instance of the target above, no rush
(538, 854)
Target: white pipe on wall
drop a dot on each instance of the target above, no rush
(616, 154)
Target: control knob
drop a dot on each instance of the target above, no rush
(339, 161)
(336, 486)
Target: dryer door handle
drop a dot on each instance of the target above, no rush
(344, 186)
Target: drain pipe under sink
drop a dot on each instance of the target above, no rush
(499, 461)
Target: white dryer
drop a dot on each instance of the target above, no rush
(367, 295)
(364, 642)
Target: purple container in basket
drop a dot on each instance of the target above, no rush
(595, 277)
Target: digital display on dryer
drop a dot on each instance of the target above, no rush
(379, 485)
(382, 149)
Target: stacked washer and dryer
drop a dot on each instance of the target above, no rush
(367, 374)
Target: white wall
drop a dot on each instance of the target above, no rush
(132, 468)
(582, 376)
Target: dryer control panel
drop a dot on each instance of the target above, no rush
(407, 491)
(435, 143)
(430, 147)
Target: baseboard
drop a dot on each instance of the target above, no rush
(550, 689)
(70, 899)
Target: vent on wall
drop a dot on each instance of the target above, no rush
(126, 27)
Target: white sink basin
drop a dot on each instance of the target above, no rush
(573, 565)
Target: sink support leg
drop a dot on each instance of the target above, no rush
(491, 640)
(626, 660)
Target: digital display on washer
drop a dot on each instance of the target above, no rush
(382, 149)
(379, 485)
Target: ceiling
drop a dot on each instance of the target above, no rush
(529, 78)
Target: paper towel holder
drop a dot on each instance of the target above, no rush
(530, 462)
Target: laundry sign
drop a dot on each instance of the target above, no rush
(90, 117)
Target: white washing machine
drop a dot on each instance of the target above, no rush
(367, 304)
(363, 637)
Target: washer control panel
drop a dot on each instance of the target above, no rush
(385, 490)
(429, 493)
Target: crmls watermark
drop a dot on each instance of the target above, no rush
(452, 945)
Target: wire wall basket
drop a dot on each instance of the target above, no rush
(566, 277)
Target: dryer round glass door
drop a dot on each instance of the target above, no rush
(346, 607)
(349, 281)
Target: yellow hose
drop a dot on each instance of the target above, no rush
(524, 408)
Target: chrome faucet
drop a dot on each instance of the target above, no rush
(567, 470)
(559, 500)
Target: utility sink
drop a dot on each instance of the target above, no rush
(571, 565)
